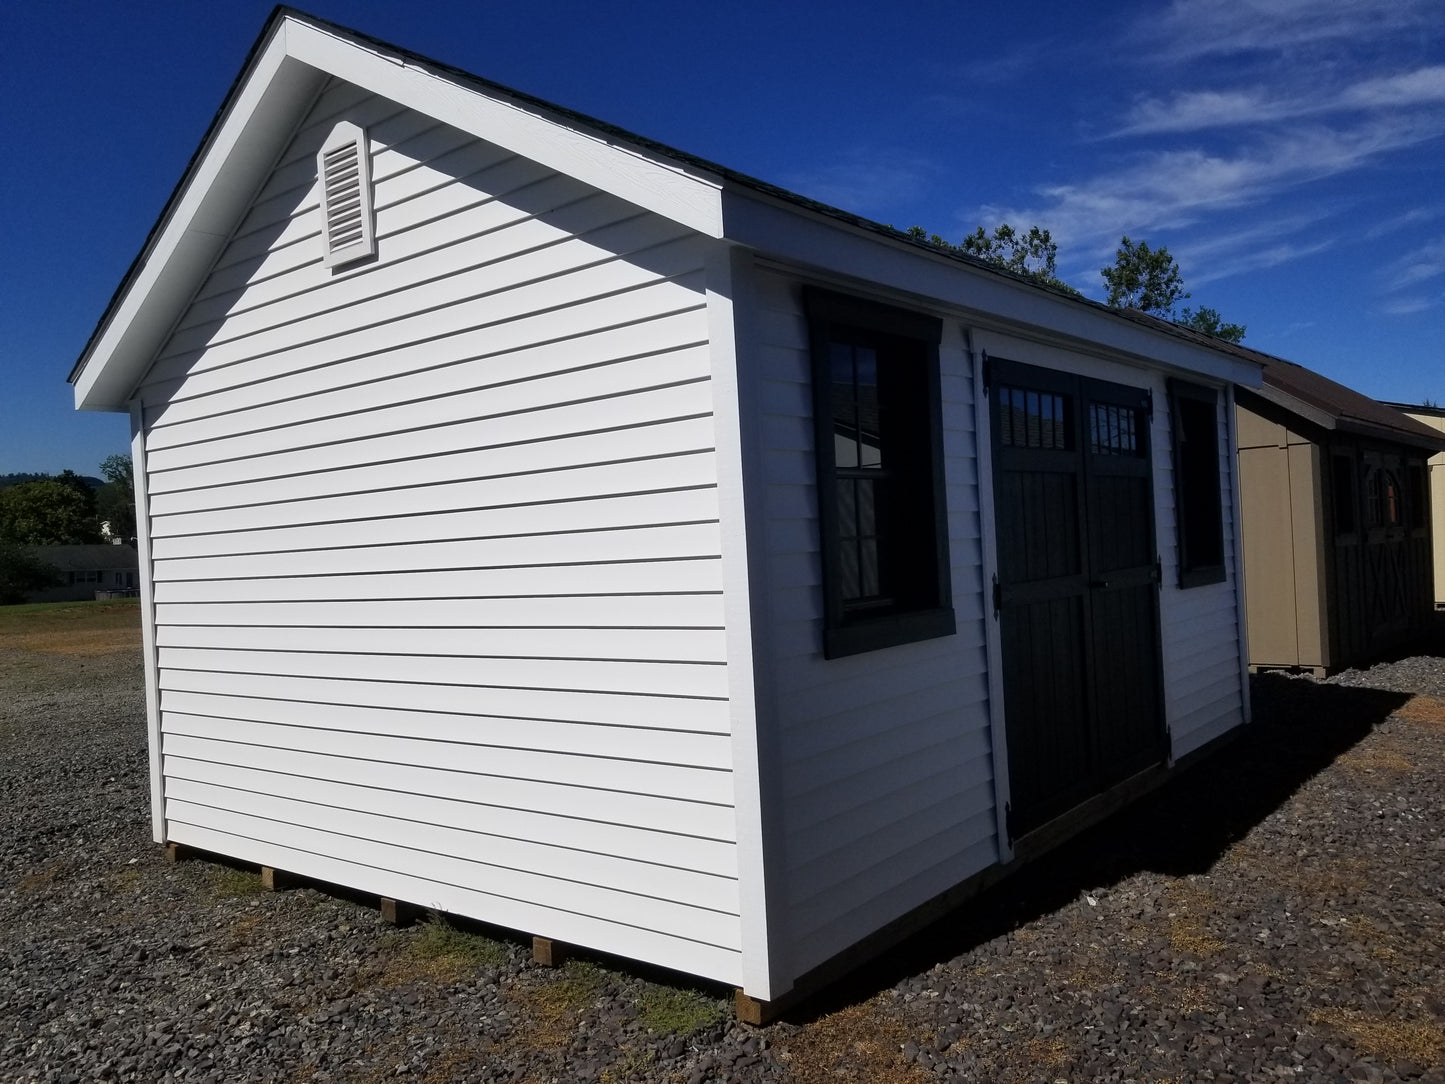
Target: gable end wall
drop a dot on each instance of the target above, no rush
(435, 550)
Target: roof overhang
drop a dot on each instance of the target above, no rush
(291, 63)
(1330, 422)
(296, 56)
(987, 298)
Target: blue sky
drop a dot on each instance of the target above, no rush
(1290, 153)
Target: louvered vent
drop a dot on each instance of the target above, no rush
(344, 169)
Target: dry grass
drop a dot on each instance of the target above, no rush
(41, 879)
(552, 1002)
(1375, 758)
(1386, 1037)
(1425, 710)
(1188, 906)
(1196, 998)
(1050, 1053)
(861, 1042)
(77, 629)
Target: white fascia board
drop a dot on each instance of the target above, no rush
(799, 238)
(226, 177)
(689, 197)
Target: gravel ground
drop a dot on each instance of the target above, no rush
(1274, 913)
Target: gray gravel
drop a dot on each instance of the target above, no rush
(1274, 913)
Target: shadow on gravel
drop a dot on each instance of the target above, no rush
(1183, 827)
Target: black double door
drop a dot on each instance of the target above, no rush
(1077, 592)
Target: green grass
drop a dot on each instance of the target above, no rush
(669, 1010)
(230, 884)
(438, 941)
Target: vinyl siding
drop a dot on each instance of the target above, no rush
(886, 765)
(436, 552)
(1203, 677)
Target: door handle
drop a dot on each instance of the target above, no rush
(1098, 584)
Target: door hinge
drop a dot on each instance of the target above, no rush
(987, 375)
(1158, 573)
(997, 596)
(1008, 822)
(1149, 403)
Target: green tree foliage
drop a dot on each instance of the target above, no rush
(115, 501)
(21, 573)
(1211, 323)
(50, 512)
(1144, 278)
(1034, 255)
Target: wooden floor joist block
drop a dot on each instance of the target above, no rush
(278, 880)
(749, 1010)
(548, 953)
(397, 913)
(179, 852)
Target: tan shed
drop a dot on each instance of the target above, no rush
(1335, 521)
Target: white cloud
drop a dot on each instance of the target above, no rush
(865, 181)
(1256, 259)
(1420, 264)
(1406, 306)
(1200, 28)
(1419, 87)
(1414, 217)
(1173, 190)
(1194, 111)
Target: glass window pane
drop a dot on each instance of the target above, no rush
(847, 508)
(868, 567)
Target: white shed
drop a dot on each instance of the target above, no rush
(548, 527)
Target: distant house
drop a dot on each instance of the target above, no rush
(544, 525)
(88, 570)
(1434, 417)
(1336, 521)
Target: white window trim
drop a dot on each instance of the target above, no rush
(347, 221)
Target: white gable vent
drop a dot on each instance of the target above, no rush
(344, 167)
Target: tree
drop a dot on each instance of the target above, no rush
(1145, 279)
(21, 572)
(51, 512)
(1211, 323)
(115, 501)
(1034, 255)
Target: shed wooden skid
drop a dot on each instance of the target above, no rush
(528, 567)
(1337, 522)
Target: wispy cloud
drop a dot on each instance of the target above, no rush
(866, 180)
(1408, 306)
(1417, 216)
(1201, 28)
(1195, 111)
(1171, 190)
(1420, 264)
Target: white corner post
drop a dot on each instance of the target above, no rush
(148, 620)
(737, 414)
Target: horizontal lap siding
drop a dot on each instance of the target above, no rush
(1203, 687)
(886, 774)
(436, 552)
